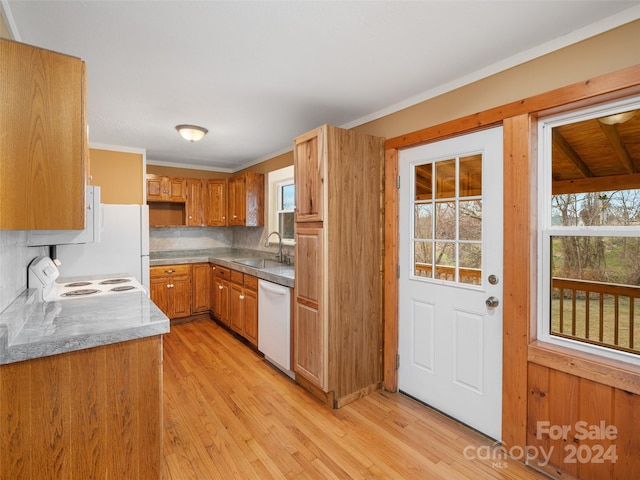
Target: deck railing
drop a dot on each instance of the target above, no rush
(596, 312)
(469, 276)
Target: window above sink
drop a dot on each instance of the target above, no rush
(280, 215)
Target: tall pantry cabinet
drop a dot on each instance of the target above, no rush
(337, 353)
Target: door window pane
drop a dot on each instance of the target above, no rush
(470, 262)
(445, 220)
(470, 181)
(446, 179)
(470, 220)
(422, 252)
(423, 182)
(422, 220)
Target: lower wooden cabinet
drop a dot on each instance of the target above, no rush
(221, 281)
(201, 281)
(243, 305)
(93, 413)
(171, 289)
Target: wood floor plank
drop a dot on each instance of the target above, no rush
(228, 414)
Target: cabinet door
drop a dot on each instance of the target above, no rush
(216, 203)
(160, 293)
(201, 287)
(310, 352)
(222, 300)
(236, 308)
(176, 189)
(251, 316)
(154, 189)
(213, 290)
(237, 200)
(180, 296)
(43, 139)
(309, 160)
(193, 204)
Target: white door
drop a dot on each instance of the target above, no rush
(450, 287)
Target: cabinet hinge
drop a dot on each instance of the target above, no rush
(397, 361)
(398, 182)
(398, 270)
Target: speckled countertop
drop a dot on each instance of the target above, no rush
(31, 328)
(227, 257)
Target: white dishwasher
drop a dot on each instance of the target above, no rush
(274, 324)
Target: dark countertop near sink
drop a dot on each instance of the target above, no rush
(282, 275)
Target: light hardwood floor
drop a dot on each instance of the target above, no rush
(229, 415)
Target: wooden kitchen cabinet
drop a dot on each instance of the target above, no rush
(246, 200)
(309, 172)
(92, 413)
(44, 167)
(166, 189)
(194, 203)
(201, 281)
(216, 202)
(171, 289)
(338, 290)
(221, 288)
(243, 305)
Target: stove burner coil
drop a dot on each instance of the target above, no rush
(114, 281)
(77, 284)
(123, 288)
(82, 291)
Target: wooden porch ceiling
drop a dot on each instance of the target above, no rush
(592, 156)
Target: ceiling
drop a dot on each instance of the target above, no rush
(594, 156)
(257, 74)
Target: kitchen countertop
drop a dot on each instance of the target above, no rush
(282, 275)
(31, 328)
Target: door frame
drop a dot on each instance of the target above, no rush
(519, 121)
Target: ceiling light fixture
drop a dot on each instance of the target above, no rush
(617, 118)
(193, 133)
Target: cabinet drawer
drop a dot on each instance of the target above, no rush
(251, 282)
(223, 272)
(237, 277)
(163, 270)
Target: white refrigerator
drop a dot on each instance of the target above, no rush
(123, 247)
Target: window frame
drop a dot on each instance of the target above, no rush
(546, 230)
(276, 179)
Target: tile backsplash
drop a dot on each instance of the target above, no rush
(15, 256)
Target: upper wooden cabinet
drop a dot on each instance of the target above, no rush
(194, 204)
(246, 200)
(216, 202)
(166, 189)
(310, 151)
(338, 269)
(43, 139)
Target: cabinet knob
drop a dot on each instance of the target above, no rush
(235, 216)
(170, 285)
(241, 297)
(213, 268)
(220, 287)
(169, 271)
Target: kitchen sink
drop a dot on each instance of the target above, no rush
(260, 263)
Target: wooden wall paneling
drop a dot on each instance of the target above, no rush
(518, 272)
(390, 302)
(595, 409)
(538, 409)
(563, 392)
(626, 408)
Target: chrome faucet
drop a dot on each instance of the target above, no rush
(279, 255)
